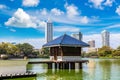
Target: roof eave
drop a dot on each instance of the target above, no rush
(67, 45)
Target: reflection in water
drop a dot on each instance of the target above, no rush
(38, 68)
(92, 66)
(64, 75)
(105, 67)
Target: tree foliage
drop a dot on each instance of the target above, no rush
(8, 48)
(118, 48)
(116, 53)
(45, 51)
(25, 48)
(104, 51)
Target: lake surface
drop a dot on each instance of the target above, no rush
(96, 69)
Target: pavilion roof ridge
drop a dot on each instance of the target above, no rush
(66, 40)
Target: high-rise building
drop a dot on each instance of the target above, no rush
(77, 35)
(92, 48)
(105, 38)
(91, 43)
(49, 31)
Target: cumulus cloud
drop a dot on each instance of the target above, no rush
(72, 10)
(23, 20)
(100, 4)
(118, 10)
(62, 17)
(30, 3)
(108, 2)
(20, 19)
(97, 3)
(44, 11)
(56, 11)
(3, 6)
(66, 29)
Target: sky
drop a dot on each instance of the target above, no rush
(25, 20)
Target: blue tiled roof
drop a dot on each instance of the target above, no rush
(66, 40)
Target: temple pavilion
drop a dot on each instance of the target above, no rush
(65, 48)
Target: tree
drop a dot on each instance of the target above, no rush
(8, 48)
(116, 53)
(2, 50)
(25, 48)
(118, 48)
(12, 49)
(104, 51)
(45, 52)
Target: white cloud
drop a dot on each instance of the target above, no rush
(84, 20)
(97, 3)
(30, 3)
(114, 40)
(118, 10)
(20, 19)
(72, 10)
(13, 30)
(108, 2)
(44, 11)
(56, 11)
(3, 6)
(113, 26)
(66, 29)
(100, 4)
(23, 20)
(44, 14)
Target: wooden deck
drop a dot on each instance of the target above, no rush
(10, 76)
(53, 61)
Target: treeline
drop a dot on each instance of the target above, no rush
(18, 50)
(105, 51)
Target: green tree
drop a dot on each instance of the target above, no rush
(8, 48)
(118, 48)
(2, 50)
(12, 49)
(104, 51)
(116, 53)
(45, 51)
(25, 48)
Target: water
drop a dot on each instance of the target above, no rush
(96, 69)
(12, 66)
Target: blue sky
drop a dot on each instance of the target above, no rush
(25, 20)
